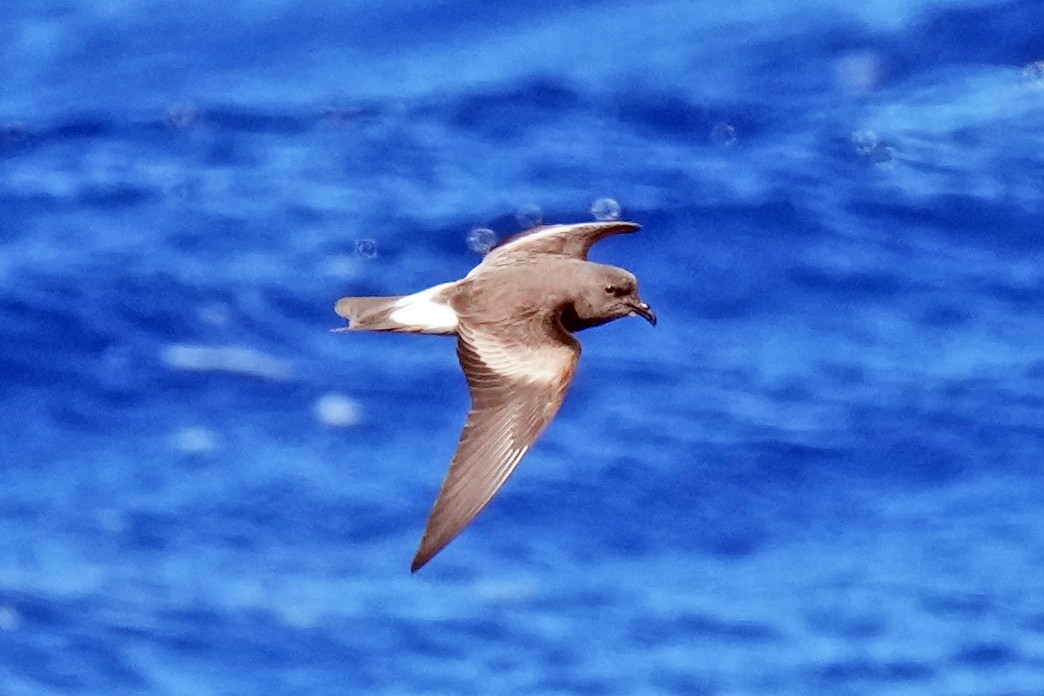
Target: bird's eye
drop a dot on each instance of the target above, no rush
(610, 289)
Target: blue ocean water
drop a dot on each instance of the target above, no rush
(820, 474)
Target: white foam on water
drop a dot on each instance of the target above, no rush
(196, 440)
(192, 357)
(337, 410)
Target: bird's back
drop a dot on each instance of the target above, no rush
(521, 286)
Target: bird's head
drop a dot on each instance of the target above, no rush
(608, 293)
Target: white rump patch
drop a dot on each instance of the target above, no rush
(421, 311)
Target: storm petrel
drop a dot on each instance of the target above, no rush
(514, 316)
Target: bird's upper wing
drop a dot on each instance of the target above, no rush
(571, 240)
(517, 379)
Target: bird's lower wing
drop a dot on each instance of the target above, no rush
(515, 392)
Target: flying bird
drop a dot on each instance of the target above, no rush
(514, 316)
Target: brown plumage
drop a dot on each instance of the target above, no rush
(513, 316)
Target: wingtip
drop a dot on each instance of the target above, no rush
(419, 561)
(429, 548)
(618, 225)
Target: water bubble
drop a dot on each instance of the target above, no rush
(366, 248)
(182, 116)
(337, 410)
(865, 141)
(529, 216)
(868, 144)
(481, 240)
(196, 440)
(1033, 74)
(605, 209)
(723, 134)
